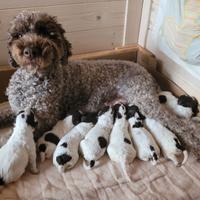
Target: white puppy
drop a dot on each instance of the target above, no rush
(95, 143)
(183, 106)
(66, 154)
(146, 146)
(120, 148)
(47, 143)
(168, 142)
(19, 151)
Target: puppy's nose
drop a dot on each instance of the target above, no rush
(31, 52)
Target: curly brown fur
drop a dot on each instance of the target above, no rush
(52, 88)
(6, 116)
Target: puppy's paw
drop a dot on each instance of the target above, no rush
(42, 157)
(34, 170)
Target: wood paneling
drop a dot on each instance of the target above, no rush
(95, 40)
(132, 21)
(75, 17)
(13, 4)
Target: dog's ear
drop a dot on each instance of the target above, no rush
(67, 51)
(11, 60)
(66, 44)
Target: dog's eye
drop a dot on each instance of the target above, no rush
(17, 35)
(52, 33)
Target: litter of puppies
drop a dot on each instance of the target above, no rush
(121, 130)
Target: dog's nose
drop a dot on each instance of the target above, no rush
(31, 52)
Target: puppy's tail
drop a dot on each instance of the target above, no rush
(42, 156)
(7, 116)
(61, 169)
(125, 169)
(185, 154)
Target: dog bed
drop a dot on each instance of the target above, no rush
(163, 181)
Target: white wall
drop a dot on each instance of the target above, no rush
(91, 25)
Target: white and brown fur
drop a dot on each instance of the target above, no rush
(120, 148)
(49, 140)
(145, 145)
(46, 81)
(94, 145)
(20, 150)
(170, 145)
(66, 154)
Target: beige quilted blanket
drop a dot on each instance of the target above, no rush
(163, 181)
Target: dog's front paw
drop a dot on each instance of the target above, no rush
(34, 170)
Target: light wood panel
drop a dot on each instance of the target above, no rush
(132, 21)
(10, 4)
(95, 40)
(75, 17)
(144, 23)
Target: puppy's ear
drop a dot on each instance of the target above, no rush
(141, 116)
(11, 61)
(20, 112)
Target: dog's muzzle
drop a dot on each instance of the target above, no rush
(32, 52)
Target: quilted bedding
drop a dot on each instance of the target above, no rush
(106, 182)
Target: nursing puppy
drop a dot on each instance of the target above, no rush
(95, 143)
(120, 148)
(66, 154)
(146, 147)
(47, 143)
(19, 151)
(183, 106)
(168, 142)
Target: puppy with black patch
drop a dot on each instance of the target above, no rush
(95, 143)
(120, 148)
(146, 146)
(183, 106)
(66, 154)
(47, 143)
(168, 142)
(20, 150)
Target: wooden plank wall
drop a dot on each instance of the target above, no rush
(91, 25)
